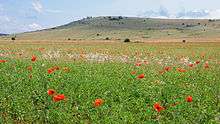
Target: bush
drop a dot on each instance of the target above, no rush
(13, 38)
(127, 40)
(107, 38)
(68, 39)
(120, 17)
(184, 41)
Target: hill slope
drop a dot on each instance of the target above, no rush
(3, 34)
(119, 28)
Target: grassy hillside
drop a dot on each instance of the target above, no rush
(119, 28)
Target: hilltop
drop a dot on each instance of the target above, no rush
(119, 28)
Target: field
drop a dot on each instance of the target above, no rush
(109, 82)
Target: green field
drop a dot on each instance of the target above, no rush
(90, 70)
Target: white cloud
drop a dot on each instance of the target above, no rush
(5, 18)
(37, 6)
(35, 26)
(214, 14)
(191, 14)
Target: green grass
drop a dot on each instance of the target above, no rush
(126, 98)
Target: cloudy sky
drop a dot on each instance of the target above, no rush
(28, 15)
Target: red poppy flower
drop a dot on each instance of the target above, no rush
(189, 98)
(98, 102)
(50, 71)
(197, 62)
(206, 65)
(181, 70)
(29, 68)
(41, 49)
(168, 68)
(133, 72)
(140, 76)
(51, 92)
(190, 65)
(158, 108)
(34, 58)
(3, 61)
(58, 98)
(138, 64)
(162, 72)
(56, 68)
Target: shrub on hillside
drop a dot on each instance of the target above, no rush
(13, 38)
(127, 40)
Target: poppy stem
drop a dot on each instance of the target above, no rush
(46, 104)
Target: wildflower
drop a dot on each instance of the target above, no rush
(56, 68)
(133, 72)
(190, 65)
(98, 102)
(140, 76)
(3, 61)
(206, 65)
(138, 64)
(189, 98)
(50, 71)
(161, 72)
(197, 62)
(168, 68)
(29, 68)
(181, 70)
(34, 58)
(41, 49)
(51, 92)
(158, 108)
(58, 98)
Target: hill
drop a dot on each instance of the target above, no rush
(1, 34)
(119, 28)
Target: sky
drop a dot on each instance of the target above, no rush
(29, 15)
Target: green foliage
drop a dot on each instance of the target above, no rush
(126, 98)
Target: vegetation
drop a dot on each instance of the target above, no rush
(118, 27)
(13, 38)
(88, 82)
(127, 40)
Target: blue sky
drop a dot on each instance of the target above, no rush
(28, 15)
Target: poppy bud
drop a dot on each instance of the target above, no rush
(51, 92)
(58, 98)
(98, 102)
(158, 108)
(189, 98)
(33, 58)
(140, 76)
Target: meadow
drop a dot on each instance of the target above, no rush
(109, 82)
